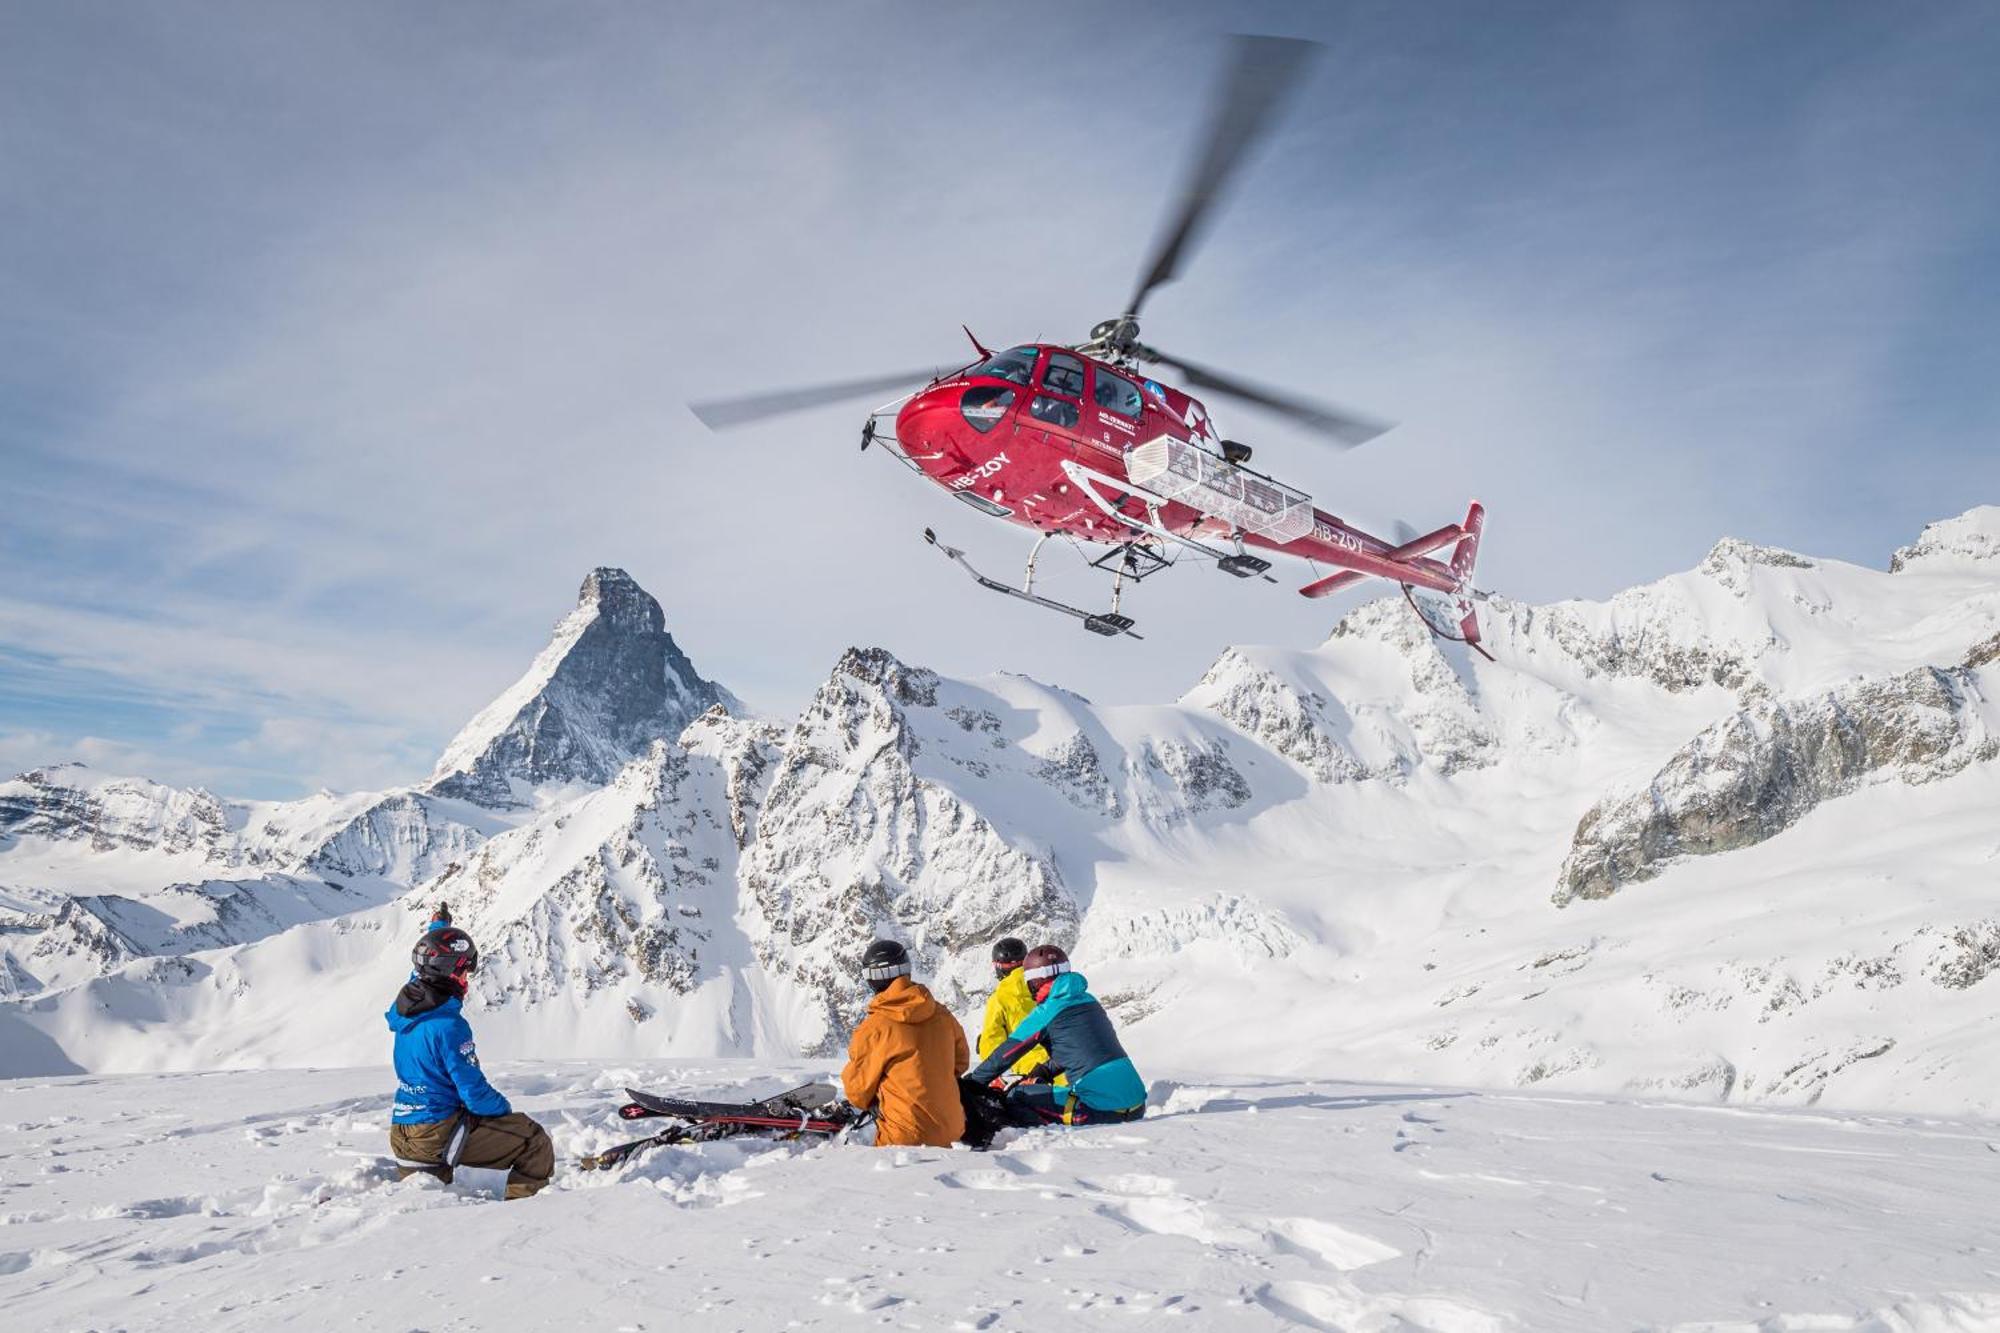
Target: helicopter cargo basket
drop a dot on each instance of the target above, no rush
(1181, 470)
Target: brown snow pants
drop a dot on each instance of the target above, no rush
(513, 1141)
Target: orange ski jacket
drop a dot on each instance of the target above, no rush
(904, 1060)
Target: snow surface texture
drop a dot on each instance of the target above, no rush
(1731, 836)
(260, 1200)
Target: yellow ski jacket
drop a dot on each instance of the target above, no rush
(1005, 1008)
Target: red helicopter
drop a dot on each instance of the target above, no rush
(1079, 441)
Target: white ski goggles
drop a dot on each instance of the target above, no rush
(886, 971)
(1046, 971)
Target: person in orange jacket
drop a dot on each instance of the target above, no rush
(905, 1058)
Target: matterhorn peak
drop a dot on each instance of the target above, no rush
(621, 602)
(610, 682)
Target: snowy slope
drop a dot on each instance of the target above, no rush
(1730, 836)
(259, 1201)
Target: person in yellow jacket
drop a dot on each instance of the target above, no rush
(1008, 1005)
(904, 1059)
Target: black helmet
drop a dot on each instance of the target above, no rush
(883, 963)
(1007, 955)
(446, 956)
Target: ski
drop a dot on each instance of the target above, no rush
(787, 1115)
(808, 1097)
(621, 1152)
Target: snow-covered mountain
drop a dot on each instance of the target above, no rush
(97, 871)
(611, 681)
(1730, 834)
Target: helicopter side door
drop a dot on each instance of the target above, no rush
(1058, 402)
(1113, 413)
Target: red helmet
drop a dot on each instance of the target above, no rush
(1044, 963)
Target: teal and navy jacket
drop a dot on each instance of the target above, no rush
(437, 1069)
(1081, 1042)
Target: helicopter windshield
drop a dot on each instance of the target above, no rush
(1016, 364)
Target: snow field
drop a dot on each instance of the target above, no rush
(263, 1200)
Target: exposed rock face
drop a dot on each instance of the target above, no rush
(1450, 730)
(1303, 725)
(405, 836)
(1759, 771)
(1405, 707)
(1641, 644)
(91, 934)
(1968, 539)
(621, 891)
(611, 681)
(747, 754)
(68, 802)
(183, 870)
(1730, 562)
(852, 844)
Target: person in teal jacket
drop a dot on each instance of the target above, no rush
(1102, 1086)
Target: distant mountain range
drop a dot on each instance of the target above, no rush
(1730, 835)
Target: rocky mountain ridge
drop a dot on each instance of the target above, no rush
(1367, 835)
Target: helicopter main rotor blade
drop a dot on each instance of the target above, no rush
(1343, 428)
(724, 413)
(1262, 71)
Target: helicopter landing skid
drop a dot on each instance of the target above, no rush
(1108, 623)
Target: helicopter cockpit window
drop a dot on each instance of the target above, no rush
(984, 404)
(1117, 394)
(1016, 364)
(1064, 375)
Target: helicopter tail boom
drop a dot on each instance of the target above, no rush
(1411, 566)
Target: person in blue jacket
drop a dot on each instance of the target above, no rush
(446, 1114)
(1103, 1086)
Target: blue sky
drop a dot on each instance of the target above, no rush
(341, 341)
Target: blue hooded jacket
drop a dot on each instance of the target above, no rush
(1080, 1041)
(437, 1069)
